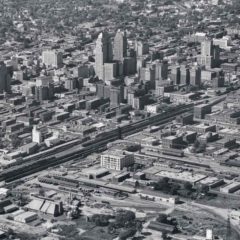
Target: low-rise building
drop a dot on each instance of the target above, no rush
(201, 128)
(26, 217)
(201, 110)
(158, 197)
(230, 188)
(181, 98)
(172, 142)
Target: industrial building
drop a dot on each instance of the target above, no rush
(117, 160)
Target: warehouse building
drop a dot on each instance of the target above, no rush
(116, 160)
(230, 188)
(26, 217)
(158, 197)
(46, 207)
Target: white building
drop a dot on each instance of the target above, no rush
(52, 58)
(116, 160)
(223, 43)
(158, 197)
(38, 134)
(153, 108)
(4, 192)
(235, 215)
(209, 234)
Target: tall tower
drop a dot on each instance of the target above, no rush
(44, 89)
(161, 69)
(120, 46)
(207, 48)
(195, 76)
(209, 54)
(52, 58)
(103, 53)
(5, 78)
(176, 75)
(141, 48)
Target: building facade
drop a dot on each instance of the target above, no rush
(116, 161)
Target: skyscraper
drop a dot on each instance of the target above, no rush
(103, 53)
(120, 46)
(52, 58)
(176, 75)
(207, 48)
(110, 71)
(185, 75)
(116, 95)
(209, 54)
(5, 79)
(195, 76)
(44, 89)
(161, 70)
(141, 48)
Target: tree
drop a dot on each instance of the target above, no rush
(164, 236)
(139, 226)
(16, 142)
(41, 192)
(174, 189)
(125, 218)
(162, 184)
(203, 189)
(195, 146)
(111, 228)
(198, 147)
(162, 218)
(133, 147)
(202, 147)
(100, 219)
(187, 186)
(127, 233)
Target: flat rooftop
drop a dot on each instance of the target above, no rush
(182, 176)
(175, 174)
(209, 180)
(231, 185)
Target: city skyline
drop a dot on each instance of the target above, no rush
(119, 120)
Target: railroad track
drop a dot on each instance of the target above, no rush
(82, 150)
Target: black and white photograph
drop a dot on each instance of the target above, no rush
(120, 119)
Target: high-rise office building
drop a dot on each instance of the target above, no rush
(120, 46)
(52, 58)
(129, 66)
(176, 75)
(147, 74)
(103, 53)
(209, 54)
(5, 78)
(195, 76)
(103, 90)
(116, 95)
(70, 84)
(185, 75)
(44, 89)
(141, 48)
(110, 72)
(161, 70)
(207, 48)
